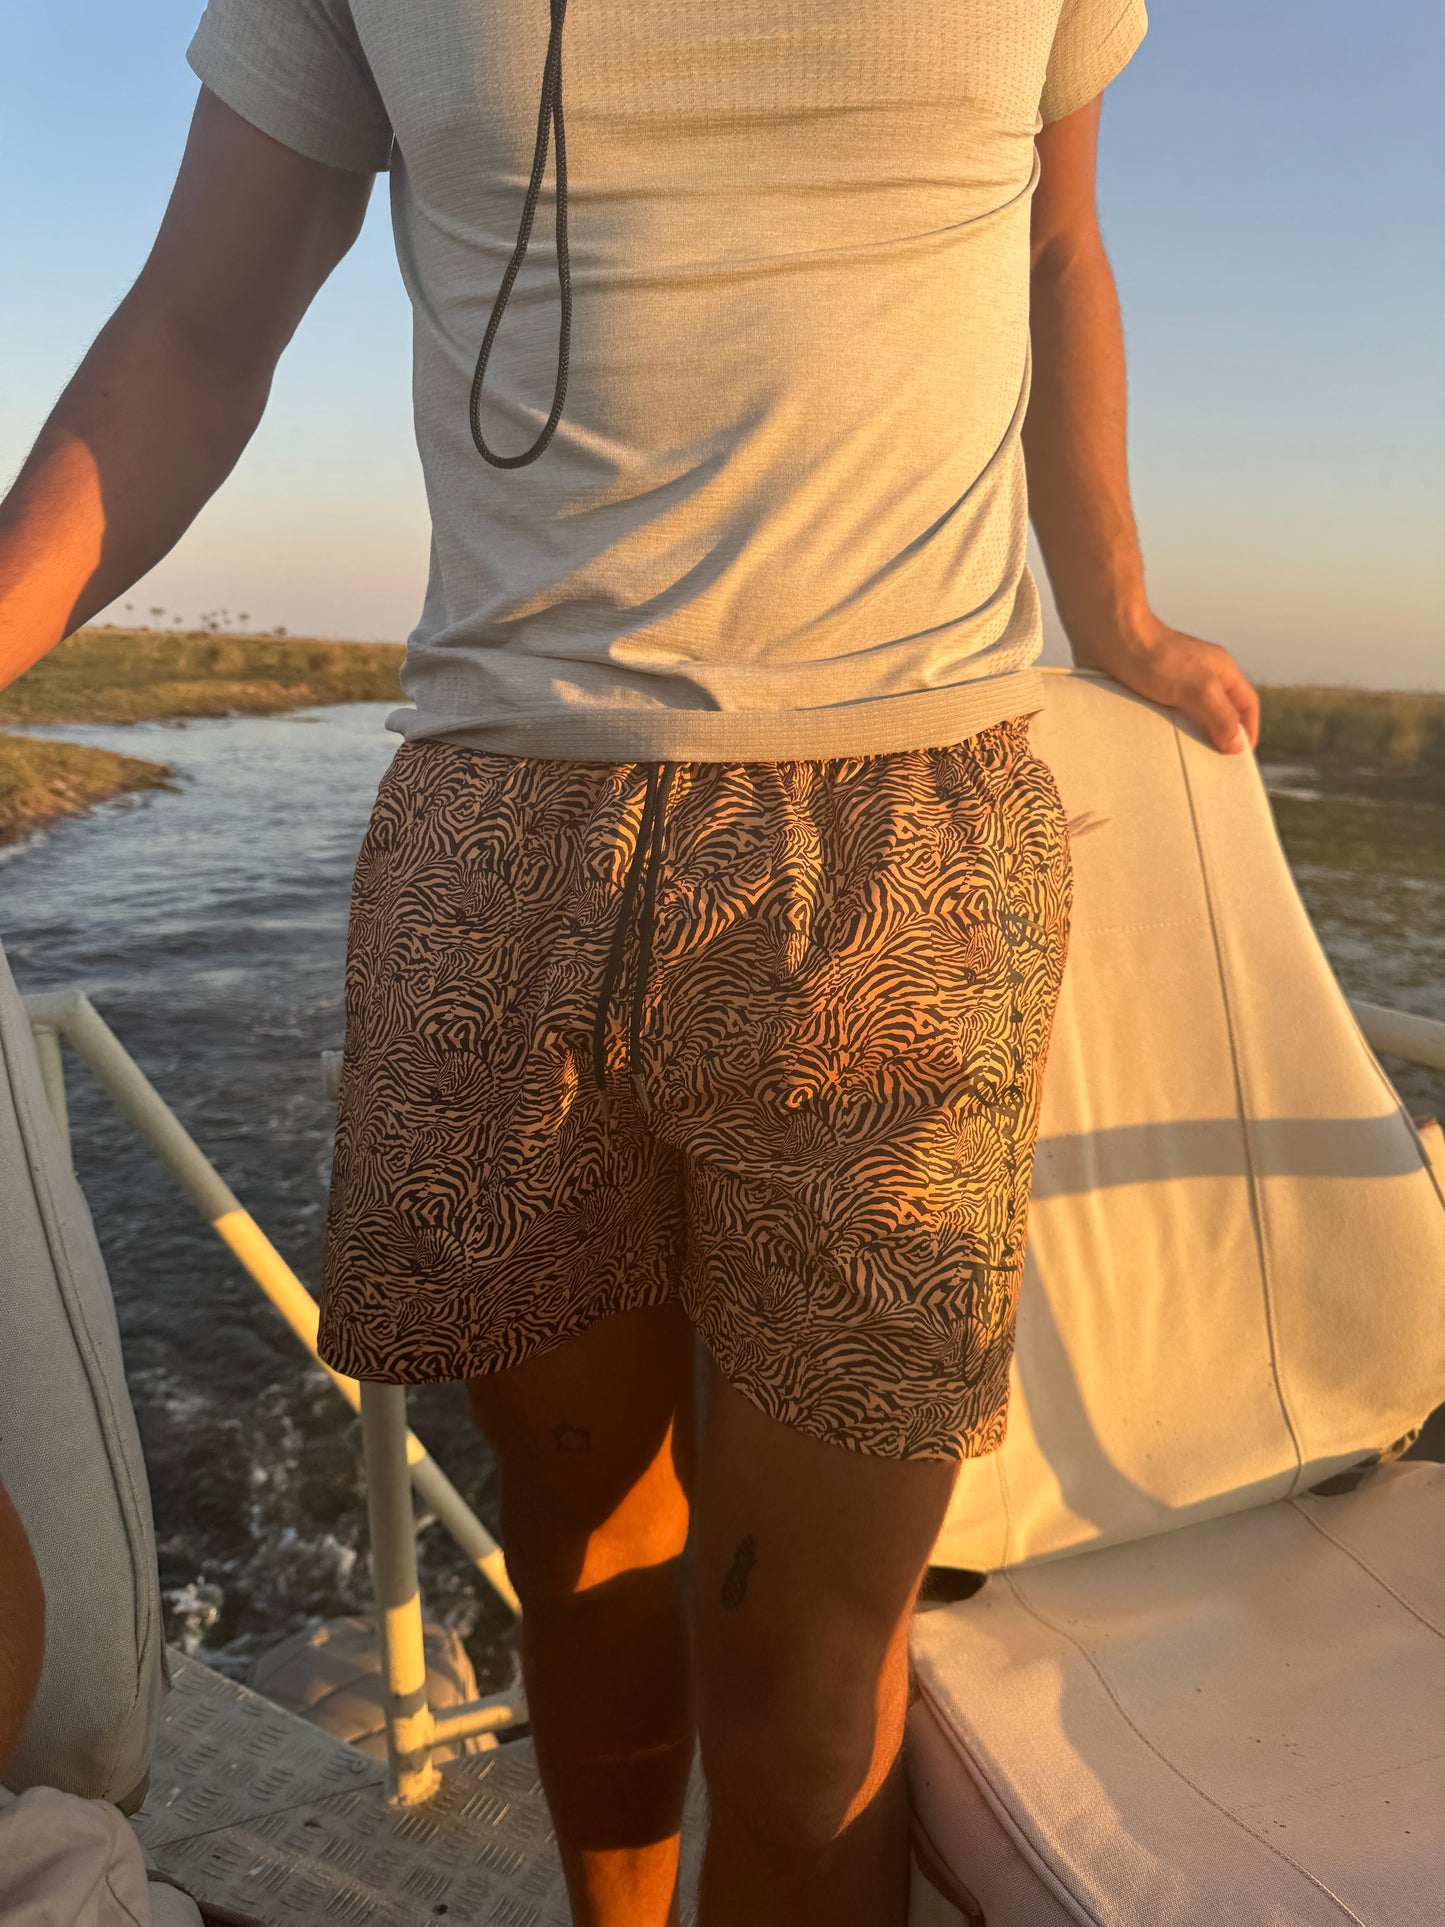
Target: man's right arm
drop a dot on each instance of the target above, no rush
(174, 385)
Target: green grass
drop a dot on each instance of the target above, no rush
(40, 781)
(1369, 741)
(134, 676)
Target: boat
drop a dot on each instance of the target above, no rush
(1180, 1658)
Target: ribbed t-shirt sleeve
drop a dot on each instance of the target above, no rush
(296, 70)
(1094, 40)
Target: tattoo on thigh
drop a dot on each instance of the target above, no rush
(735, 1586)
(571, 1438)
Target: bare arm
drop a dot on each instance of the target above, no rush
(174, 385)
(1074, 447)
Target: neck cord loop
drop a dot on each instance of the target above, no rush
(549, 114)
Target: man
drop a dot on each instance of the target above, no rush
(707, 931)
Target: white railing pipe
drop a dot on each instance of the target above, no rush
(70, 1014)
(1400, 1033)
(398, 1595)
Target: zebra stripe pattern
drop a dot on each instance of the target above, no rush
(854, 972)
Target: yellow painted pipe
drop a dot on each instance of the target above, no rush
(142, 1105)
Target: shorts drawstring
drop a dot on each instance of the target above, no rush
(643, 870)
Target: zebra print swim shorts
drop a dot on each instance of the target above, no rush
(765, 1037)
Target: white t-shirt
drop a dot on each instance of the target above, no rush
(784, 513)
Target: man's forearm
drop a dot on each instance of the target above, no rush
(1076, 452)
(1075, 446)
(145, 433)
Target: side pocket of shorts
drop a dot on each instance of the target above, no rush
(1057, 860)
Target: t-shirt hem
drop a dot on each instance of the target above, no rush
(931, 719)
(1107, 60)
(258, 100)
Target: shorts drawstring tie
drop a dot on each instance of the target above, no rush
(643, 872)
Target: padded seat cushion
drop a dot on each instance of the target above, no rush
(70, 1459)
(1241, 1721)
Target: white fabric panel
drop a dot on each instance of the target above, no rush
(1356, 1282)
(67, 1862)
(1009, 1881)
(71, 1459)
(1237, 1722)
(1236, 1272)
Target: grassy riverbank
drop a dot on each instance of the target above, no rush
(42, 781)
(1348, 741)
(135, 676)
(1361, 742)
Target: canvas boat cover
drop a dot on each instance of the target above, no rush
(1192, 1692)
(1235, 1280)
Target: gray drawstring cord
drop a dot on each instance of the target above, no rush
(549, 112)
(643, 871)
(647, 856)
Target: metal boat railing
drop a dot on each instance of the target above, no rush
(397, 1463)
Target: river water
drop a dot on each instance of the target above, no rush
(208, 926)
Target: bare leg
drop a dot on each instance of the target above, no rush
(594, 1442)
(807, 1563)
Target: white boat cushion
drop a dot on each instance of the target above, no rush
(71, 1460)
(1240, 1722)
(66, 1862)
(1236, 1272)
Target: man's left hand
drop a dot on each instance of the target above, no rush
(1168, 666)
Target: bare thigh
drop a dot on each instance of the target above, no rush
(594, 1442)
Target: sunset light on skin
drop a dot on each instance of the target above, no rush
(1267, 193)
(735, 775)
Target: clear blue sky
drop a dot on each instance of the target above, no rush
(1271, 190)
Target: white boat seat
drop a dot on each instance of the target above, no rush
(1234, 1290)
(1235, 1279)
(70, 1458)
(1243, 1722)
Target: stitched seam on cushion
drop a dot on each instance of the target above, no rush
(1354, 1779)
(1255, 1208)
(1163, 923)
(1164, 1759)
(1369, 1571)
(994, 1800)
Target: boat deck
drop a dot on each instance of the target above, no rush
(262, 1816)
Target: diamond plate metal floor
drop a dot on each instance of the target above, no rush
(253, 1811)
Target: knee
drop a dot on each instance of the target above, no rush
(565, 1539)
(794, 1760)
